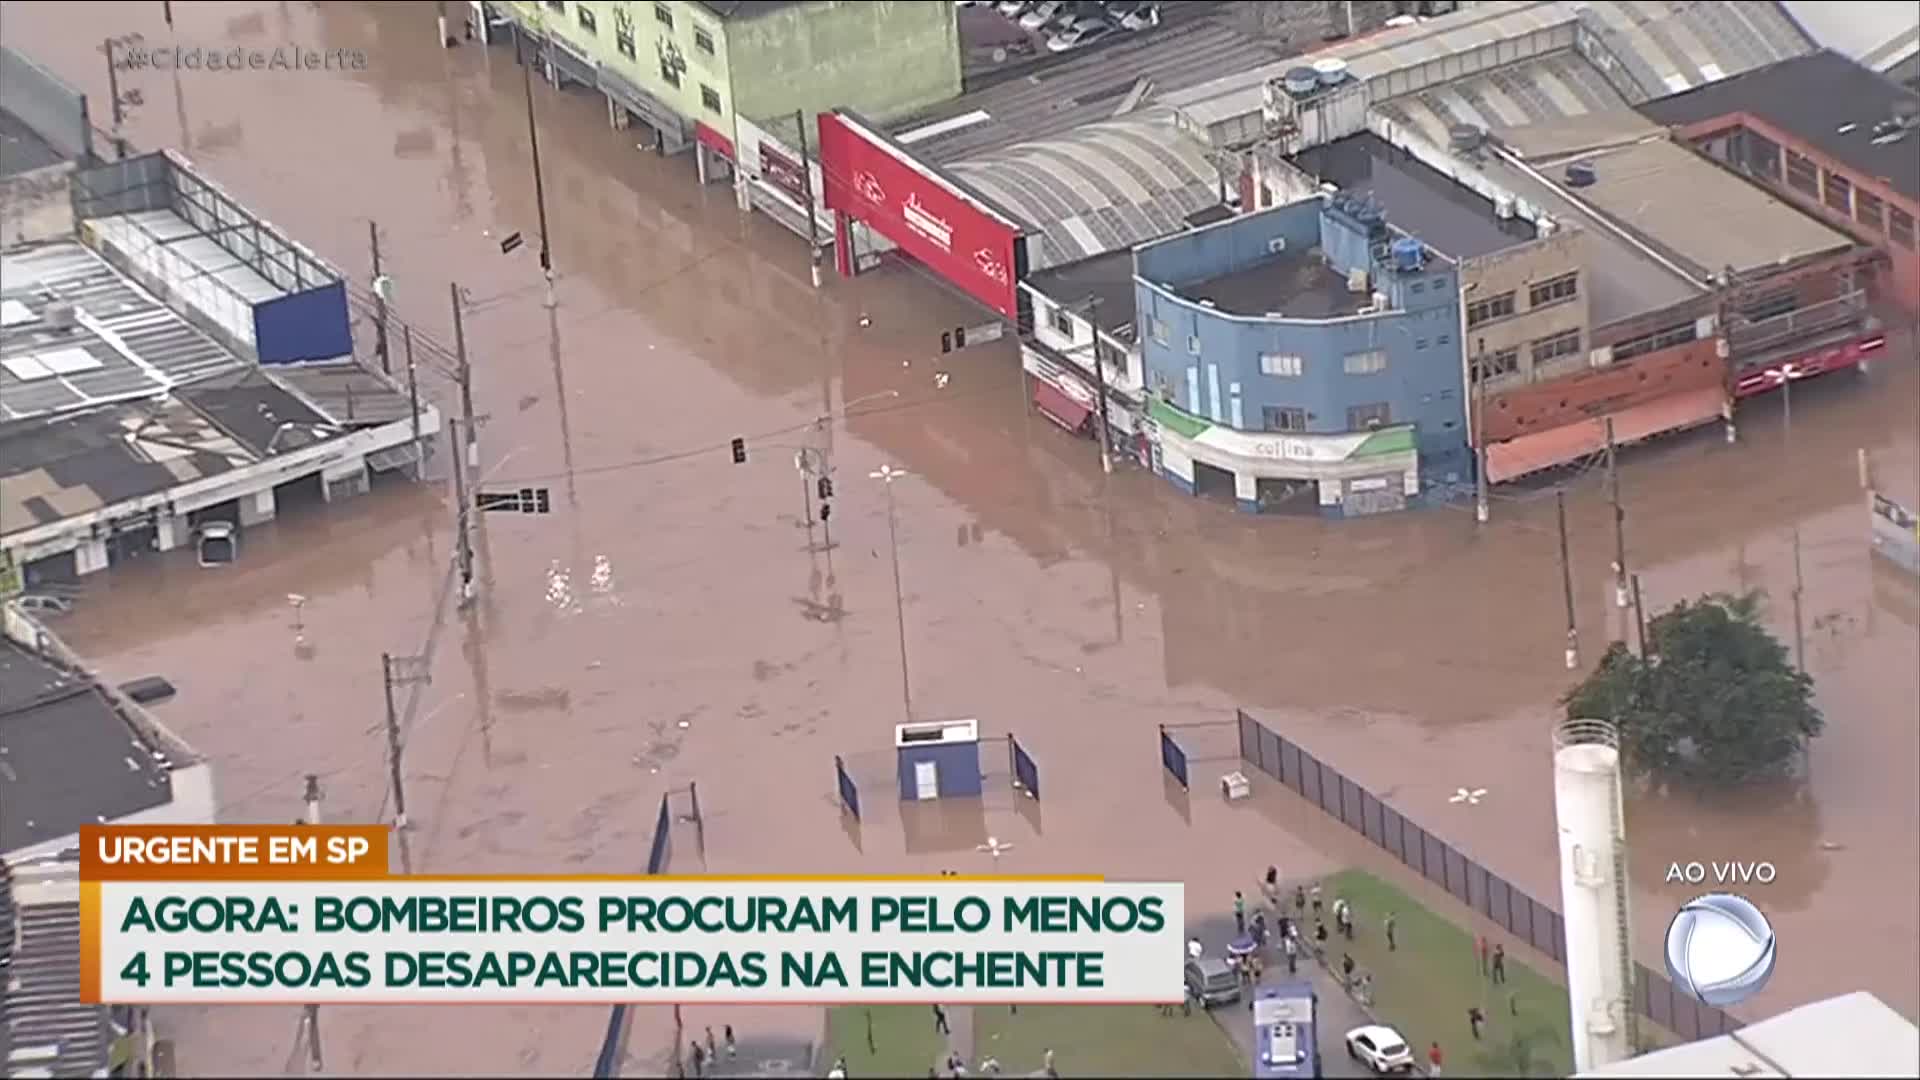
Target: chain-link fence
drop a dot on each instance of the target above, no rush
(1467, 881)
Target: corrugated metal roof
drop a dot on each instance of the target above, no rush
(1873, 33)
(1099, 188)
(141, 347)
(40, 1012)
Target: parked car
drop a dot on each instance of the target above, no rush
(1212, 981)
(1380, 1048)
(1013, 9)
(1138, 16)
(1079, 37)
(42, 604)
(1041, 14)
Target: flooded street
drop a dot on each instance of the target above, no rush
(668, 621)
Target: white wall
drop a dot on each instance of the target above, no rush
(37, 205)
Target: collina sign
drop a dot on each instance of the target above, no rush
(931, 218)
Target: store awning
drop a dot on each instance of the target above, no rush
(1570, 442)
(1058, 407)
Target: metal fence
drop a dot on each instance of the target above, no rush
(1174, 758)
(1466, 880)
(48, 106)
(606, 1063)
(1026, 774)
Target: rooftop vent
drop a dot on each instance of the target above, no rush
(1331, 71)
(1301, 81)
(1581, 174)
(1466, 138)
(58, 317)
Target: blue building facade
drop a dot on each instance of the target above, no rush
(938, 760)
(1306, 350)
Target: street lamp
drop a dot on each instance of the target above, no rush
(1783, 376)
(887, 474)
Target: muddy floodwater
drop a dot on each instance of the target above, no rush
(671, 621)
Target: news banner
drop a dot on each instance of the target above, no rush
(312, 915)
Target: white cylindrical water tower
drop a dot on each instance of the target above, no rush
(1593, 891)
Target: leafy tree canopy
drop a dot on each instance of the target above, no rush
(1715, 702)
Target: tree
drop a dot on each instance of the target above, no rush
(1715, 703)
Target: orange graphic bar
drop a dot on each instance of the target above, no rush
(233, 852)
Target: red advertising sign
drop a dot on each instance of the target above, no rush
(930, 219)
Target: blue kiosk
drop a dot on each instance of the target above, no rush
(938, 759)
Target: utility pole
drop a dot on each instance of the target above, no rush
(310, 1014)
(166, 12)
(1787, 375)
(1479, 373)
(806, 185)
(469, 446)
(380, 290)
(1640, 616)
(393, 744)
(445, 41)
(462, 502)
(1619, 523)
(887, 474)
(413, 383)
(539, 181)
(1092, 307)
(1566, 581)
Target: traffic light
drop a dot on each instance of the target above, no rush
(946, 341)
(526, 500)
(825, 487)
(959, 337)
(542, 501)
(826, 511)
(739, 451)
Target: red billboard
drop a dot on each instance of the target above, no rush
(968, 243)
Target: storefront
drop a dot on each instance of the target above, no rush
(1062, 393)
(1569, 443)
(1346, 475)
(623, 93)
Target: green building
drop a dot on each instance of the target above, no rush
(688, 68)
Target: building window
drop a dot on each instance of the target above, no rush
(1062, 322)
(669, 73)
(710, 98)
(1566, 343)
(1900, 227)
(1677, 334)
(1193, 344)
(1445, 339)
(1802, 175)
(1418, 286)
(664, 15)
(1840, 193)
(1371, 362)
(1157, 328)
(1553, 290)
(1493, 307)
(1110, 354)
(1279, 418)
(1761, 156)
(703, 41)
(1866, 210)
(1286, 364)
(1495, 364)
(587, 21)
(1368, 417)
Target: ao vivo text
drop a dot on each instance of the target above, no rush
(1721, 873)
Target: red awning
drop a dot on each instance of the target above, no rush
(1571, 442)
(713, 140)
(1058, 407)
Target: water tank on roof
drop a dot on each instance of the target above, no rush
(1331, 71)
(1372, 218)
(1581, 174)
(1301, 81)
(1408, 254)
(1466, 138)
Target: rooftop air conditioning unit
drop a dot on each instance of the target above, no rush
(1379, 301)
(58, 316)
(1276, 245)
(1357, 281)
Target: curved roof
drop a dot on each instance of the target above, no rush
(1100, 187)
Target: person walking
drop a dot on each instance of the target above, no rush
(699, 1058)
(713, 1045)
(1499, 963)
(940, 1021)
(839, 1070)
(1346, 969)
(1239, 912)
(1293, 955)
(730, 1043)
(1391, 944)
(1046, 1062)
(1317, 907)
(1433, 1059)
(1475, 1018)
(1299, 900)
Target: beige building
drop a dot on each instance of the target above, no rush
(1525, 314)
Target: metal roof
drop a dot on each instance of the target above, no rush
(1855, 1034)
(1663, 45)
(1099, 188)
(1876, 34)
(123, 344)
(67, 756)
(45, 1029)
(1059, 97)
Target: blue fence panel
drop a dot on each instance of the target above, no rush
(849, 792)
(662, 851)
(1025, 772)
(607, 1062)
(311, 325)
(1174, 758)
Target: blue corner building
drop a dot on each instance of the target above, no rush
(1306, 359)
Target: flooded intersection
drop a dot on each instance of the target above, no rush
(671, 620)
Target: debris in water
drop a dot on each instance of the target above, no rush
(864, 321)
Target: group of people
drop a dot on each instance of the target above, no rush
(707, 1056)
